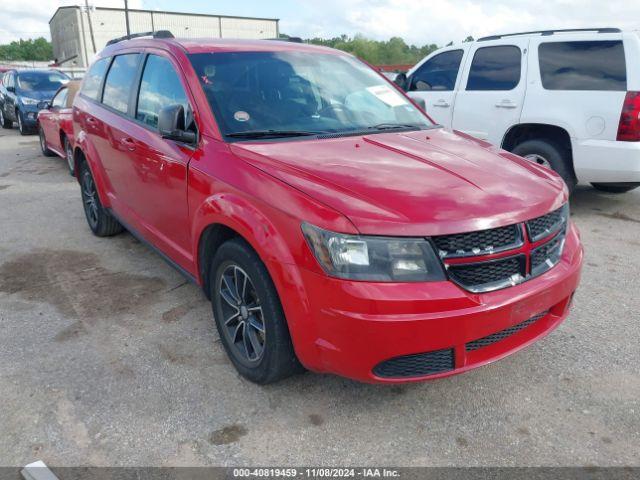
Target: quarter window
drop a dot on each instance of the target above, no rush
(119, 82)
(439, 72)
(60, 100)
(495, 68)
(93, 79)
(160, 87)
(595, 65)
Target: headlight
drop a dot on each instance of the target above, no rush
(377, 259)
(29, 101)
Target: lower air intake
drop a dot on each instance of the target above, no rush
(496, 337)
(417, 365)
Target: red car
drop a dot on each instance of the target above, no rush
(55, 124)
(332, 224)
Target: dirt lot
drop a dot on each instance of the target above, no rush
(107, 357)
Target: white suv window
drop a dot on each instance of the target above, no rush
(439, 72)
(592, 65)
(495, 68)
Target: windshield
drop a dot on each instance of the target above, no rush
(291, 92)
(41, 81)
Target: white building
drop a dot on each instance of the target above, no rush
(78, 33)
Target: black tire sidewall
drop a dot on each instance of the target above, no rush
(276, 362)
(66, 144)
(553, 154)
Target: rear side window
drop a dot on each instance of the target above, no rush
(93, 79)
(495, 68)
(160, 87)
(595, 65)
(119, 82)
(439, 72)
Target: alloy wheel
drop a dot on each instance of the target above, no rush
(539, 159)
(243, 318)
(90, 199)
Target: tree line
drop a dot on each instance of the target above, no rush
(38, 50)
(394, 51)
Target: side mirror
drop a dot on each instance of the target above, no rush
(44, 106)
(401, 81)
(171, 125)
(422, 86)
(11, 89)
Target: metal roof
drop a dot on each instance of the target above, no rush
(165, 12)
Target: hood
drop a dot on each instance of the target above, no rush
(38, 95)
(428, 182)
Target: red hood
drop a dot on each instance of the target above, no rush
(419, 183)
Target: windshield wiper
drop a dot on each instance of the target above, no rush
(394, 126)
(272, 133)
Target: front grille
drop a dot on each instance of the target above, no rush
(484, 276)
(417, 365)
(546, 225)
(507, 332)
(518, 263)
(479, 243)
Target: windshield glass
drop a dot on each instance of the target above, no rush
(41, 81)
(297, 91)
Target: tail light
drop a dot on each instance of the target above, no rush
(629, 126)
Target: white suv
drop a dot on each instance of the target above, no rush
(568, 99)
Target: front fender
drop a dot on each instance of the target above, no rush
(84, 147)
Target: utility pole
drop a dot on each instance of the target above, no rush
(126, 15)
(93, 39)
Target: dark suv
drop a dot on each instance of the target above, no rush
(23, 92)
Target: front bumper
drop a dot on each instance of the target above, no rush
(353, 329)
(29, 115)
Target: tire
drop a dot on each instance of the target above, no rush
(615, 187)
(252, 314)
(43, 143)
(100, 221)
(548, 153)
(21, 126)
(5, 122)
(68, 153)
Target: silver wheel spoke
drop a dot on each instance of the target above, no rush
(255, 324)
(230, 290)
(231, 318)
(255, 342)
(227, 297)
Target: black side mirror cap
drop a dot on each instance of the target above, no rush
(44, 105)
(402, 81)
(171, 125)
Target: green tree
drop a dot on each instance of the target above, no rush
(38, 49)
(394, 51)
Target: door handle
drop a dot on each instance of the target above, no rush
(129, 144)
(442, 103)
(506, 104)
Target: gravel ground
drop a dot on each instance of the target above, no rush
(107, 357)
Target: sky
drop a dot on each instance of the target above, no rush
(417, 21)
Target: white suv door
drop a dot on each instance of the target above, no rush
(434, 81)
(491, 94)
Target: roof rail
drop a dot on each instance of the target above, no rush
(287, 39)
(551, 32)
(157, 34)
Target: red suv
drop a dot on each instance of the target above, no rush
(332, 224)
